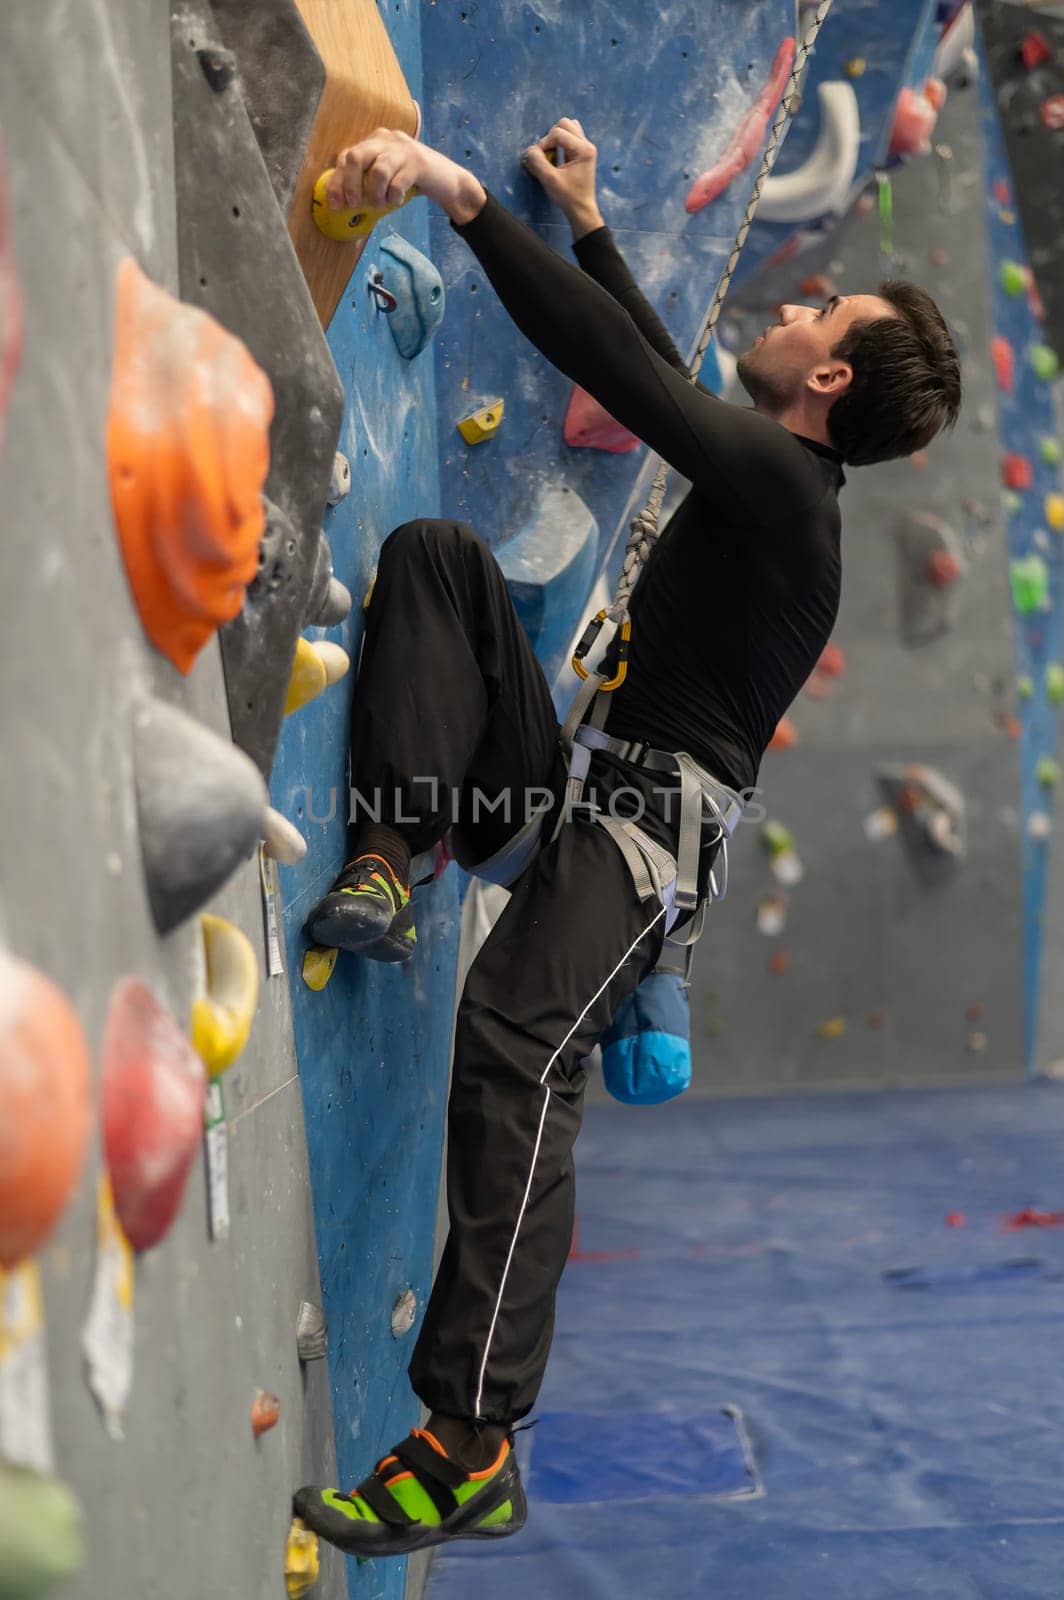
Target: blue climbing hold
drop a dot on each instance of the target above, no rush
(419, 295)
(646, 1050)
(549, 567)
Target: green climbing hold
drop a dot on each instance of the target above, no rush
(1055, 683)
(1013, 277)
(775, 838)
(886, 213)
(1044, 361)
(1048, 772)
(1025, 687)
(40, 1533)
(1011, 502)
(1030, 584)
(1050, 451)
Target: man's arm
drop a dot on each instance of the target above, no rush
(750, 465)
(569, 180)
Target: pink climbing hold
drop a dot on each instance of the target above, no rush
(1051, 112)
(11, 306)
(746, 140)
(1016, 471)
(1004, 359)
(589, 426)
(943, 568)
(914, 123)
(832, 662)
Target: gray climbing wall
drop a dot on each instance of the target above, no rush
(188, 1502)
(916, 983)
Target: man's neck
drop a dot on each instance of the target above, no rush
(796, 419)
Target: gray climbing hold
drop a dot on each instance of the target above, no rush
(201, 805)
(336, 605)
(340, 481)
(417, 287)
(312, 1332)
(931, 572)
(284, 842)
(549, 567)
(932, 818)
(403, 1313)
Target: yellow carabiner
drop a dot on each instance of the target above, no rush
(590, 634)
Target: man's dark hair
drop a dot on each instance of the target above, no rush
(906, 380)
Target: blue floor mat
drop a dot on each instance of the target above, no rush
(741, 1402)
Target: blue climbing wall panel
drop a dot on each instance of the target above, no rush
(893, 42)
(374, 1045)
(1027, 417)
(660, 89)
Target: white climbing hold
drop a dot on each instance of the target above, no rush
(403, 1313)
(284, 842)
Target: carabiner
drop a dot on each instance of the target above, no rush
(386, 300)
(590, 634)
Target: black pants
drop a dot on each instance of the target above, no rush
(451, 701)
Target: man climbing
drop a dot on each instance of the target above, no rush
(453, 725)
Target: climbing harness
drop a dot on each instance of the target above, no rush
(704, 800)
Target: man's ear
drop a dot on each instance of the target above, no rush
(831, 379)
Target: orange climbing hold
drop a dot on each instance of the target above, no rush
(832, 662)
(187, 454)
(943, 568)
(45, 1107)
(265, 1412)
(154, 1093)
(785, 736)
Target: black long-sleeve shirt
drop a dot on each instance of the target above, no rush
(740, 594)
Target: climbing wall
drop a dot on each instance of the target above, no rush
(178, 1495)
(871, 968)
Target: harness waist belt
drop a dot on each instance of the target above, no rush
(726, 806)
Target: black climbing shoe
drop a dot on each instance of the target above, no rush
(418, 1497)
(360, 908)
(399, 943)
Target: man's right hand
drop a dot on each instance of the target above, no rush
(571, 183)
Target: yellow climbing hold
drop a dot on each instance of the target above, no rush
(1055, 512)
(221, 1019)
(482, 424)
(301, 1563)
(350, 222)
(318, 964)
(368, 596)
(317, 664)
(856, 67)
(833, 1028)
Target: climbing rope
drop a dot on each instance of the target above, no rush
(644, 527)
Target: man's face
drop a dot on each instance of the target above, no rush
(780, 362)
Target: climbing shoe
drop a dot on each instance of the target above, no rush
(418, 1497)
(399, 943)
(360, 908)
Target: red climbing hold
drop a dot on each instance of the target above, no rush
(746, 140)
(1031, 1217)
(1002, 193)
(914, 123)
(778, 962)
(1016, 471)
(154, 1089)
(819, 286)
(1051, 112)
(955, 1219)
(1004, 359)
(1034, 50)
(943, 568)
(589, 426)
(832, 662)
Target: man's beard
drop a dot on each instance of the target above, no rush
(769, 390)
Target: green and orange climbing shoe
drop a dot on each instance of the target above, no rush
(361, 908)
(418, 1497)
(399, 943)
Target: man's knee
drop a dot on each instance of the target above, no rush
(431, 536)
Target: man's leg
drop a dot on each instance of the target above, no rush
(450, 697)
(572, 942)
